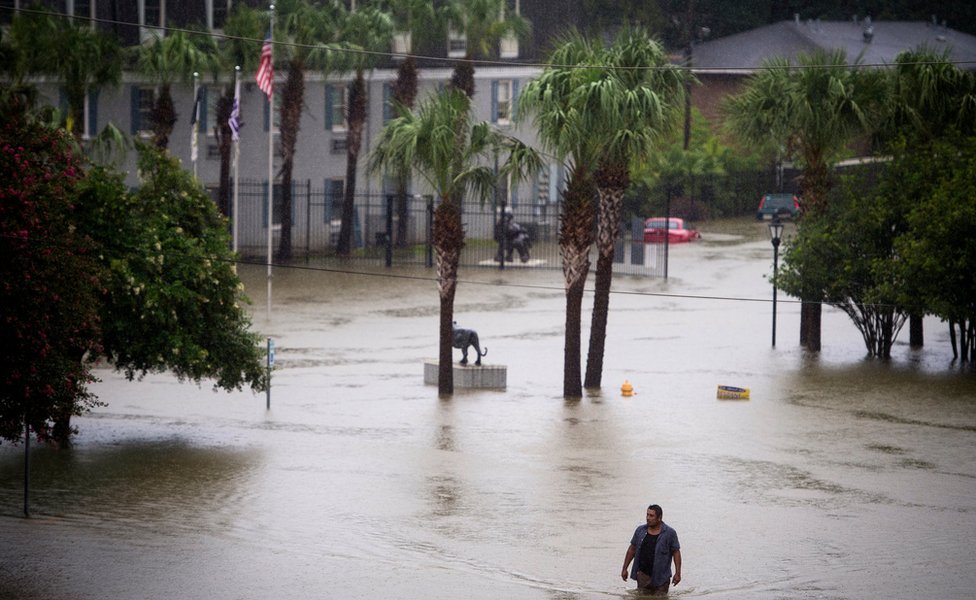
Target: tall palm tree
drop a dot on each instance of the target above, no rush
(631, 106)
(412, 19)
(816, 111)
(303, 28)
(243, 25)
(166, 60)
(365, 32)
(552, 101)
(452, 165)
(81, 58)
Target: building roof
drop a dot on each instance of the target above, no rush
(745, 52)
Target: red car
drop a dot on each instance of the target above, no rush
(677, 231)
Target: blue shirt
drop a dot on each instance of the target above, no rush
(667, 543)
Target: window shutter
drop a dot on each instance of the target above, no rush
(93, 113)
(387, 102)
(134, 114)
(515, 93)
(267, 114)
(264, 203)
(494, 101)
(328, 106)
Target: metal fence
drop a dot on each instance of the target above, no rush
(390, 230)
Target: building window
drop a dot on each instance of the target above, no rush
(503, 97)
(334, 194)
(277, 107)
(457, 44)
(340, 146)
(80, 8)
(335, 106)
(152, 17)
(388, 110)
(143, 100)
(508, 47)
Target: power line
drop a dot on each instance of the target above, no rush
(484, 62)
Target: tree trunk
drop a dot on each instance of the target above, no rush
(163, 117)
(575, 238)
(354, 138)
(612, 183)
(916, 337)
(448, 240)
(404, 94)
(224, 135)
(292, 101)
(810, 317)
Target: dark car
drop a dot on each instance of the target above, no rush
(784, 206)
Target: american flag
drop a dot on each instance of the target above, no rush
(235, 114)
(265, 76)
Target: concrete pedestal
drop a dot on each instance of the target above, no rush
(470, 376)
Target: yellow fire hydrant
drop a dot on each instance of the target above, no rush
(626, 389)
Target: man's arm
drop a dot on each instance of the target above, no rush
(631, 551)
(676, 556)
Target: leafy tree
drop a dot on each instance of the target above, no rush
(814, 111)
(167, 60)
(938, 255)
(172, 298)
(48, 299)
(928, 98)
(365, 31)
(849, 260)
(550, 101)
(452, 165)
(629, 108)
(81, 58)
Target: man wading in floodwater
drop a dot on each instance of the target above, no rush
(652, 548)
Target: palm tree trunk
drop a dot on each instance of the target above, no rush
(448, 240)
(404, 93)
(612, 183)
(292, 101)
(575, 238)
(816, 183)
(163, 117)
(225, 104)
(354, 138)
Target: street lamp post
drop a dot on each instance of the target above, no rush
(775, 234)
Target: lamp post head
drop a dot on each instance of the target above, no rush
(775, 231)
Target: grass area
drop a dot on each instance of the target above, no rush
(746, 228)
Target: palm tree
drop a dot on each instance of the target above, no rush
(452, 165)
(816, 111)
(365, 32)
(631, 106)
(166, 60)
(303, 28)
(552, 100)
(484, 23)
(81, 58)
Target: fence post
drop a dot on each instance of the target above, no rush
(389, 230)
(308, 218)
(430, 231)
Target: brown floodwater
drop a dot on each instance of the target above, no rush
(842, 476)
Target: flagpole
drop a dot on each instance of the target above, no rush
(271, 116)
(196, 118)
(237, 152)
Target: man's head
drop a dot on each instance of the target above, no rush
(654, 514)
